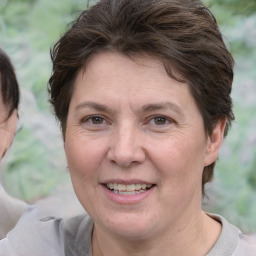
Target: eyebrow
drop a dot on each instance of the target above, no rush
(146, 108)
(93, 105)
(162, 106)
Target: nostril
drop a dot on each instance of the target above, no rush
(122, 158)
(125, 148)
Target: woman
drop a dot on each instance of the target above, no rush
(142, 93)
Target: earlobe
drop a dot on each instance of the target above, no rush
(214, 142)
(7, 132)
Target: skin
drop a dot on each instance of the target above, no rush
(129, 122)
(7, 128)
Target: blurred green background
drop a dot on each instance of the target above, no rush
(35, 165)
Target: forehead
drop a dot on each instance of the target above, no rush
(107, 60)
(108, 68)
(115, 81)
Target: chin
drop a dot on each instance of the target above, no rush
(130, 227)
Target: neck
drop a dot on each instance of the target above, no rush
(190, 237)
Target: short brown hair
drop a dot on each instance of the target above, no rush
(8, 84)
(182, 34)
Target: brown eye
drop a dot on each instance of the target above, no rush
(95, 123)
(160, 120)
(97, 120)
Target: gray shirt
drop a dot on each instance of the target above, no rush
(35, 235)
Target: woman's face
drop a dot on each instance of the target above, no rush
(135, 146)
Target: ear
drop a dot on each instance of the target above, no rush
(7, 132)
(214, 142)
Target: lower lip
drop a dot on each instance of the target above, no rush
(127, 199)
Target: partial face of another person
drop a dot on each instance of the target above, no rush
(7, 127)
(136, 147)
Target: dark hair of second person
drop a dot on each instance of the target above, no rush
(8, 84)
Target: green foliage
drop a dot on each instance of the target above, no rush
(31, 174)
(236, 7)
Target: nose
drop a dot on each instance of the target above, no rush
(126, 147)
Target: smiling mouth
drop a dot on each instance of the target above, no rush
(130, 189)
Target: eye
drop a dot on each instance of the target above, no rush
(159, 120)
(94, 120)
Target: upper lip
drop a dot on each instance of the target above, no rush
(127, 182)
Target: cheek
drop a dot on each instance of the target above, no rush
(181, 170)
(83, 164)
(85, 157)
(2, 142)
(81, 158)
(179, 160)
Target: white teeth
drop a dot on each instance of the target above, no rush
(128, 189)
(137, 186)
(121, 187)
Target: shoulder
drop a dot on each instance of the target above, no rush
(228, 239)
(34, 234)
(246, 246)
(232, 242)
(11, 210)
